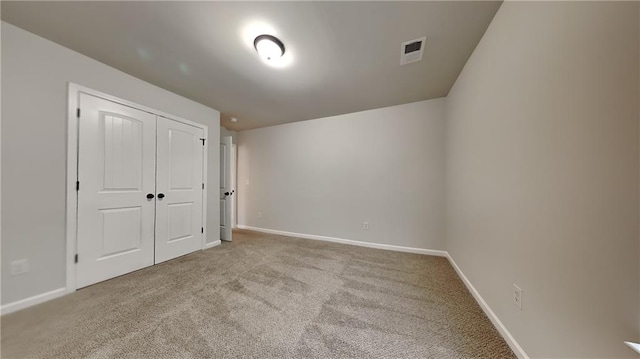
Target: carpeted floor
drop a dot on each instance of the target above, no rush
(265, 296)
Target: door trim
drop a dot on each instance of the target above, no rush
(73, 97)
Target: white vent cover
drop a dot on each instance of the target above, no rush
(411, 51)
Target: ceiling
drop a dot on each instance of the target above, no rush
(340, 57)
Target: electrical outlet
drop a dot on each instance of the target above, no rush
(20, 266)
(517, 296)
(259, 214)
(365, 226)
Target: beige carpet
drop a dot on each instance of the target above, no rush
(265, 296)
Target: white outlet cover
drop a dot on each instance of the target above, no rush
(517, 296)
(20, 266)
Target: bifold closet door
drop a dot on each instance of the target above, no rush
(117, 179)
(179, 187)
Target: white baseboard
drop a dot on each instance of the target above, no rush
(634, 346)
(513, 344)
(390, 247)
(44, 297)
(31, 301)
(212, 244)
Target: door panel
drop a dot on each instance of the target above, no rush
(181, 154)
(225, 188)
(180, 219)
(116, 170)
(179, 179)
(122, 152)
(121, 231)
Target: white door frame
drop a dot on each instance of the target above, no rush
(74, 91)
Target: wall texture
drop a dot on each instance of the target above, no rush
(34, 127)
(542, 174)
(327, 176)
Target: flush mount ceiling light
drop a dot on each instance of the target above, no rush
(269, 47)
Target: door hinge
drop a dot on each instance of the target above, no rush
(78, 112)
(76, 259)
(201, 229)
(203, 139)
(77, 185)
(203, 186)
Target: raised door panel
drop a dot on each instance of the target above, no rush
(179, 221)
(123, 143)
(121, 231)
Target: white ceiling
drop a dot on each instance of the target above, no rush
(340, 57)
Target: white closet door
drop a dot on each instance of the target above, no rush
(116, 173)
(179, 189)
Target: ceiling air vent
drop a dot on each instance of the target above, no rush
(411, 51)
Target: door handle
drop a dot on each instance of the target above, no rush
(161, 195)
(150, 196)
(227, 194)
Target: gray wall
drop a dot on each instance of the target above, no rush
(542, 174)
(542, 170)
(233, 134)
(34, 127)
(327, 176)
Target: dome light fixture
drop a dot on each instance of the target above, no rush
(269, 47)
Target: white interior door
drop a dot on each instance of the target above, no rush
(234, 198)
(226, 191)
(116, 173)
(179, 187)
